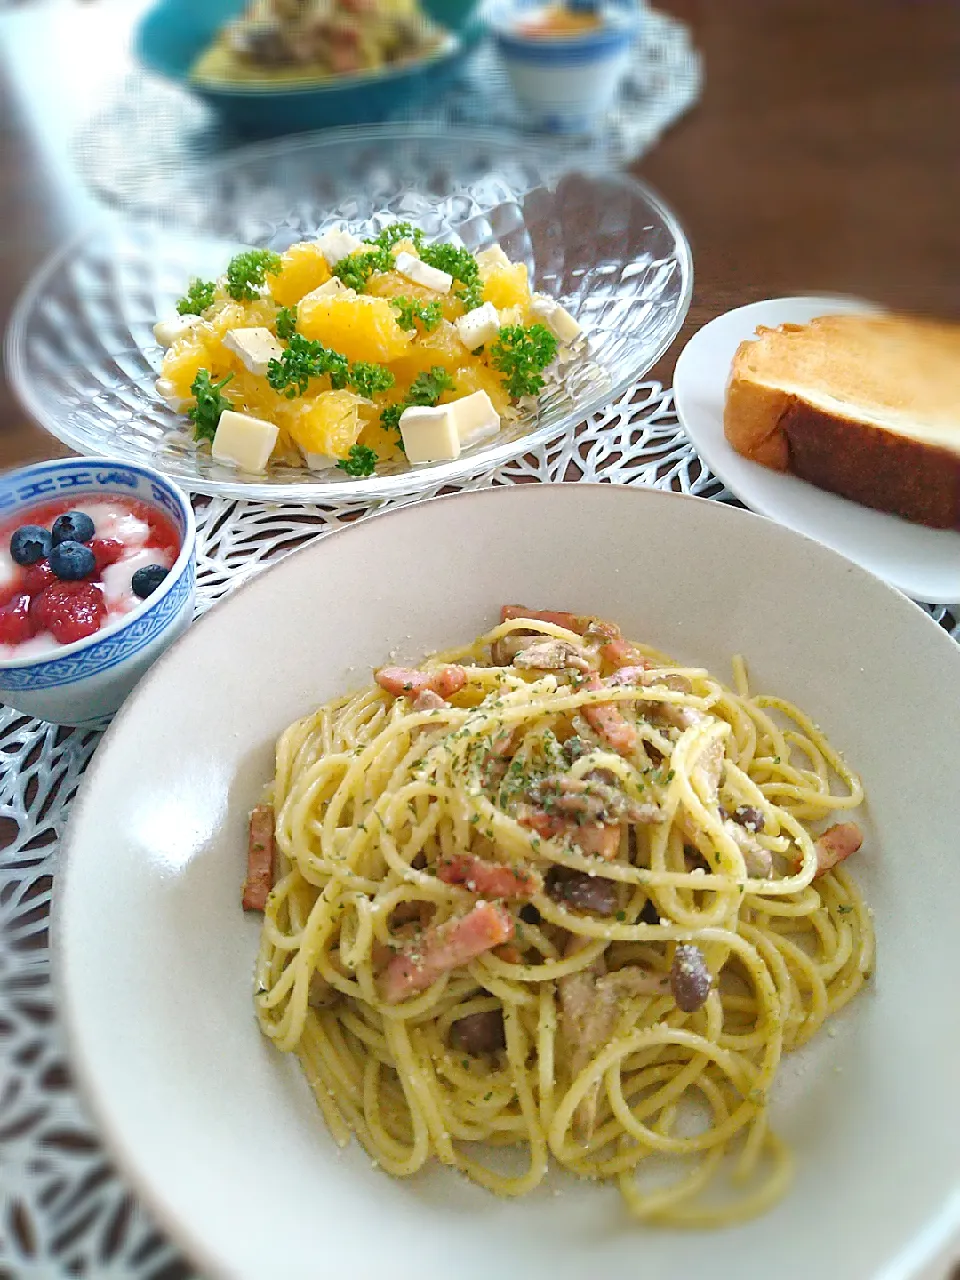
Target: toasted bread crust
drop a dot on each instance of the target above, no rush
(919, 482)
(751, 415)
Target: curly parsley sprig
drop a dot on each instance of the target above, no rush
(429, 314)
(426, 389)
(396, 232)
(211, 403)
(357, 268)
(457, 262)
(360, 461)
(286, 323)
(247, 272)
(197, 298)
(521, 354)
(304, 359)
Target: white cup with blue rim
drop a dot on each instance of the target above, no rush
(80, 683)
(565, 83)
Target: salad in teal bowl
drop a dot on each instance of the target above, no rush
(279, 66)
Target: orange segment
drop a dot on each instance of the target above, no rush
(303, 269)
(361, 328)
(442, 347)
(328, 424)
(507, 286)
(477, 377)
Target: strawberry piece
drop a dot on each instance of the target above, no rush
(106, 551)
(36, 577)
(16, 624)
(70, 610)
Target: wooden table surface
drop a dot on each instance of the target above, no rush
(823, 156)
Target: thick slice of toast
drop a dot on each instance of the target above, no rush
(865, 406)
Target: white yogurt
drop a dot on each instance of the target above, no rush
(117, 578)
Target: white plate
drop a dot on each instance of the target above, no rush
(218, 1130)
(925, 563)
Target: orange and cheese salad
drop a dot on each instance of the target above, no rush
(343, 353)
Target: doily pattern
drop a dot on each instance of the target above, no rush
(63, 1210)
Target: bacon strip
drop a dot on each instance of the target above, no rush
(489, 879)
(261, 848)
(836, 844)
(410, 682)
(446, 947)
(612, 647)
(608, 721)
(595, 839)
(572, 621)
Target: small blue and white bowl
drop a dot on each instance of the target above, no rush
(80, 683)
(565, 83)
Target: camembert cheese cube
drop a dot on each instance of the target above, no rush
(557, 319)
(167, 332)
(337, 245)
(247, 442)
(256, 347)
(423, 274)
(429, 435)
(479, 326)
(318, 461)
(475, 418)
(333, 288)
(491, 257)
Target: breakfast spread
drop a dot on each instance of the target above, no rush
(343, 353)
(299, 41)
(67, 571)
(864, 406)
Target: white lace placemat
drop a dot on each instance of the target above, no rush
(63, 1211)
(150, 132)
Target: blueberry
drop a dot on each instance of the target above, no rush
(71, 561)
(29, 544)
(72, 526)
(145, 581)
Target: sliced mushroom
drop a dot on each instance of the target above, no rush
(676, 714)
(480, 1033)
(690, 979)
(584, 892)
(427, 700)
(552, 655)
(757, 860)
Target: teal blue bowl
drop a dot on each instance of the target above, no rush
(173, 35)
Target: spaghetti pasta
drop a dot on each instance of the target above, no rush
(554, 893)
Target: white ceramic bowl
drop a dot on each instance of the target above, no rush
(564, 84)
(219, 1131)
(80, 683)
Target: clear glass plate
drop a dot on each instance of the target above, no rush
(82, 356)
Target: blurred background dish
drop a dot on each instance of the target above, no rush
(84, 359)
(565, 64)
(194, 46)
